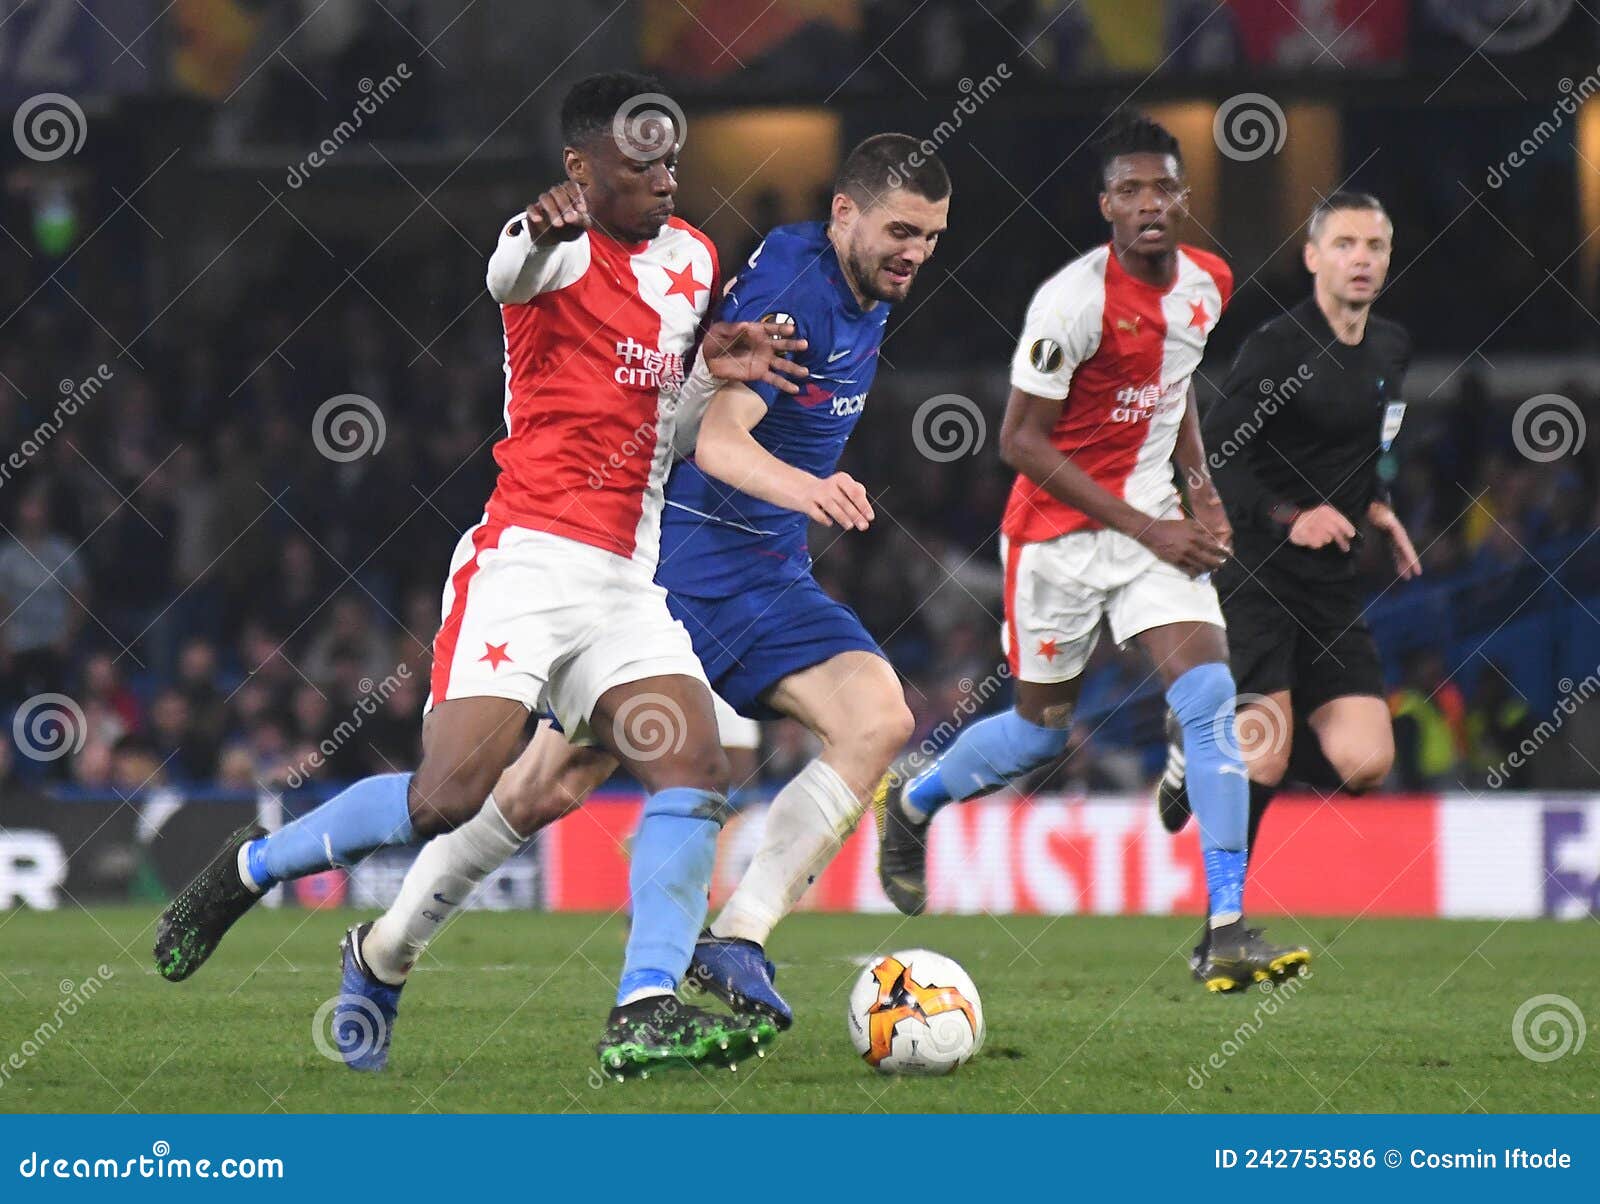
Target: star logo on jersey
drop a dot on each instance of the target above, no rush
(684, 284)
(1198, 317)
(495, 654)
(1048, 650)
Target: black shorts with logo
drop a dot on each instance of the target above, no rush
(1304, 636)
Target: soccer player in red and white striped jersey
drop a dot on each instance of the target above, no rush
(1101, 410)
(550, 602)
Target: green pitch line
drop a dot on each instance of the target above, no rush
(1084, 1014)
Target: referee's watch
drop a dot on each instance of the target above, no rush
(1284, 513)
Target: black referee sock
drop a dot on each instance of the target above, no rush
(1260, 796)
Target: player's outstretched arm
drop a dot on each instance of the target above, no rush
(1025, 445)
(728, 451)
(529, 258)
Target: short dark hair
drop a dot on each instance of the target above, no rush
(591, 105)
(1336, 202)
(1135, 134)
(887, 161)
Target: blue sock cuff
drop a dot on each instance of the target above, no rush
(1202, 692)
(687, 802)
(642, 980)
(1225, 869)
(989, 753)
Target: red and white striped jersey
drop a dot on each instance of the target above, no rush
(596, 337)
(1120, 353)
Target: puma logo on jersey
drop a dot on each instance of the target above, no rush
(1129, 325)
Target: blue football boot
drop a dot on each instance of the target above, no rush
(738, 973)
(365, 1012)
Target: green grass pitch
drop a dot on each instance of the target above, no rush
(1084, 1014)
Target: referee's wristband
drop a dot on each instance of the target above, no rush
(1284, 513)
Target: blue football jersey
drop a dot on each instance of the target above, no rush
(714, 539)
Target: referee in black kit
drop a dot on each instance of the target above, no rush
(1312, 401)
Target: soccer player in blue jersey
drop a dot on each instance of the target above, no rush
(735, 562)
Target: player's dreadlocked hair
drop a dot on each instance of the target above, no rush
(887, 161)
(1334, 202)
(591, 105)
(1135, 134)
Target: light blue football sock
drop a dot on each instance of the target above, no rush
(988, 754)
(1219, 790)
(365, 816)
(673, 854)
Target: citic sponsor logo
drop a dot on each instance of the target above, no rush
(843, 407)
(1136, 403)
(646, 367)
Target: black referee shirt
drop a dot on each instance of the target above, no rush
(1302, 421)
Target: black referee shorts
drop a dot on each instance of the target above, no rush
(1304, 636)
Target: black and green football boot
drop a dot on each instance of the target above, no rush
(663, 1032)
(193, 925)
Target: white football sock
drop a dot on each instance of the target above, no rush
(807, 822)
(447, 870)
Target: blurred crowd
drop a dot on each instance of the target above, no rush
(229, 599)
(228, 606)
